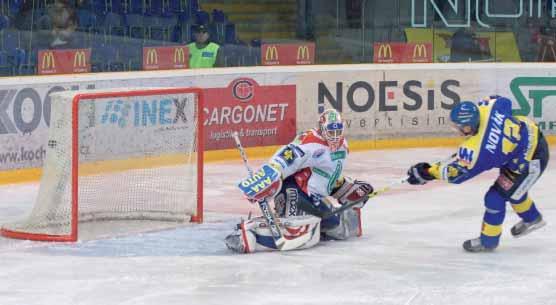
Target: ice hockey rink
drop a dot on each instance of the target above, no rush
(410, 253)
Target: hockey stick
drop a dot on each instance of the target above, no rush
(377, 192)
(279, 240)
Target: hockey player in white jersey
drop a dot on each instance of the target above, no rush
(309, 185)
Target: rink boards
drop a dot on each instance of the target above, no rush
(384, 106)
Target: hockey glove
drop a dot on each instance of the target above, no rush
(418, 174)
(353, 191)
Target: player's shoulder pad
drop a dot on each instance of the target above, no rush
(288, 154)
(311, 136)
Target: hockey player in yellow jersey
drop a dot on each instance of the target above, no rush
(494, 139)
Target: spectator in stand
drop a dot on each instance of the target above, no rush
(203, 53)
(64, 23)
(546, 40)
(466, 47)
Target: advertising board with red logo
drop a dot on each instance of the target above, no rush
(262, 115)
(164, 58)
(288, 54)
(64, 61)
(400, 52)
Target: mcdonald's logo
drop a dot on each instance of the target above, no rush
(79, 60)
(303, 53)
(48, 61)
(271, 53)
(419, 51)
(179, 56)
(385, 52)
(152, 57)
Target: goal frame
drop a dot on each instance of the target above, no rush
(111, 93)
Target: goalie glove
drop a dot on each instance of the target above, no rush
(353, 191)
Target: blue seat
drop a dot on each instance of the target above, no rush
(157, 8)
(193, 6)
(164, 28)
(183, 17)
(230, 33)
(16, 58)
(86, 20)
(218, 16)
(113, 24)
(202, 17)
(5, 67)
(99, 7)
(134, 23)
(15, 6)
(232, 55)
(176, 6)
(252, 56)
(4, 22)
(183, 33)
(117, 6)
(136, 7)
(10, 39)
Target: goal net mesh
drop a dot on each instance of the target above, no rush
(137, 160)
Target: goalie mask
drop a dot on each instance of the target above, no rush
(331, 128)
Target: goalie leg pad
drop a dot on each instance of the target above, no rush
(255, 236)
(350, 226)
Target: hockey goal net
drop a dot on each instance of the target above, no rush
(127, 156)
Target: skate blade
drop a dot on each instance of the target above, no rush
(531, 229)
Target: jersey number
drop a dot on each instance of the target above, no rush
(511, 136)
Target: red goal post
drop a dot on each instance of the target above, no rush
(129, 155)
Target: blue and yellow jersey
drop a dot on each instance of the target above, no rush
(502, 140)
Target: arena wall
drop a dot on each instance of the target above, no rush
(384, 106)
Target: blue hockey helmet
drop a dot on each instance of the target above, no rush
(464, 114)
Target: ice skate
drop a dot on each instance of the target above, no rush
(234, 242)
(523, 228)
(475, 245)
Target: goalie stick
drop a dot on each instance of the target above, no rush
(281, 242)
(377, 192)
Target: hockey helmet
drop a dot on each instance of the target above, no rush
(331, 128)
(465, 114)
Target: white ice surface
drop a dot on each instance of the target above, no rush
(410, 252)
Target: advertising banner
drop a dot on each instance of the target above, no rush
(377, 101)
(164, 58)
(130, 126)
(25, 108)
(388, 52)
(399, 52)
(288, 54)
(384, 104)
(64, 61)
(262, 115)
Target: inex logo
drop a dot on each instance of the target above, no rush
(144, 113)
(243, 89)
(116, 113)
